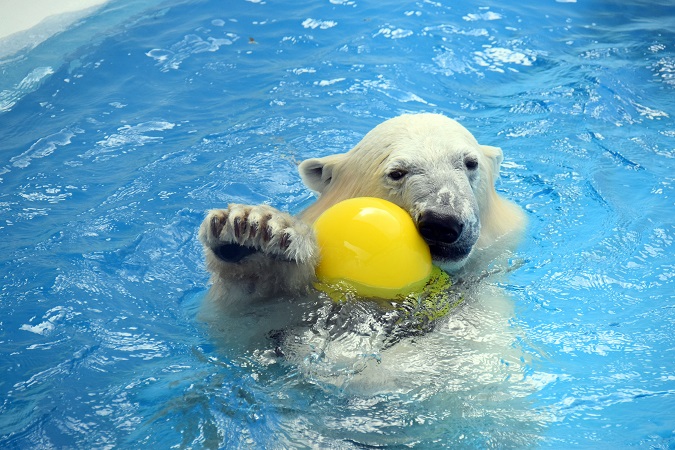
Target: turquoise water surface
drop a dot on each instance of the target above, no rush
(119, 133)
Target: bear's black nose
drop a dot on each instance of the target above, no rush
(440, 228)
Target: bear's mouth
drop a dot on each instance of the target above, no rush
(442, 251)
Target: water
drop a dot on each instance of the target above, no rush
(119, 133)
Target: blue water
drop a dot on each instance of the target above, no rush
(117, 134)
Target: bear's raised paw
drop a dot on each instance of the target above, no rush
(241, 230)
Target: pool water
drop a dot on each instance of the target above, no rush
(119, 133)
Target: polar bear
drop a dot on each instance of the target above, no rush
(428, 164)
(262, 304)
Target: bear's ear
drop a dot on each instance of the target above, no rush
(317, 173)
(496, 156)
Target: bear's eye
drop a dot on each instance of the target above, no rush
(397, 174)
(471, 163)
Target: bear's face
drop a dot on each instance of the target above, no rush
(427, 164)
(439, 191)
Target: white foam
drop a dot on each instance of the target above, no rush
(322, 24)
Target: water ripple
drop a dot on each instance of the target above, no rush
(44, 147)
(192, 44)
(29, 83)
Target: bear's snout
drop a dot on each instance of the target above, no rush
(439, 228)
(450, 236)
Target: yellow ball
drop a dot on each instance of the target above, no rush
(373, 246)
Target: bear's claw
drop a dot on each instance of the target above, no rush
(216, 226)
(257, 229)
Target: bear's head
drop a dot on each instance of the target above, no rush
(432, 167)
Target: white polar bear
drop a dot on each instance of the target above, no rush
(428, 164)
(262, 304)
